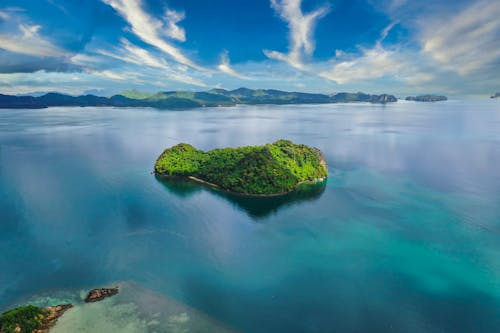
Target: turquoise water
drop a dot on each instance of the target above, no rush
(404, 237)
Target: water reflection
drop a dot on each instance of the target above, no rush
(255, 207)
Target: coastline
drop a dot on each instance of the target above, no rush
(247, 195)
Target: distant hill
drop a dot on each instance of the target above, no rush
(427, 98)
(189, 99)
(135, 94)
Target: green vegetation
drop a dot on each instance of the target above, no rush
(189, 99)
(28, 318)
(135, 94)
(274, 168)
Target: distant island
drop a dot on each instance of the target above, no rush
(497, 95)
(269, 170)
(189, 99)
(426, 98)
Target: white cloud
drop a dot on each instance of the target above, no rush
(466, 41)
(301, 39)
(173, 31)
(135, 55)
(149, 29)
(4, 15)
(84, 60)
(109, 74)
(27, 40)
(373, 63)
(225, 67)
(420, 78)
(186, 79)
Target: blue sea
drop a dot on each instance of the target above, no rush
(404, 237)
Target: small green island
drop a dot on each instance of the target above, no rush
(268, 170)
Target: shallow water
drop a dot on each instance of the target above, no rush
(404, 237)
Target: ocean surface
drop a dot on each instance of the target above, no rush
(404, 237)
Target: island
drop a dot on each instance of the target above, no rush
(269, 170)
(497, 95)
(189, 99)
(31, 318)
(427, 98)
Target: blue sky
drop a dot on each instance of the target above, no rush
(394, 46)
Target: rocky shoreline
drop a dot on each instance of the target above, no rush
(272, 195)
(54, 313)
(41, 320)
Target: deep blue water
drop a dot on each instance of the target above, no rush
(404, 238)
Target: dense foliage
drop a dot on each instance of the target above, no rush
(28, 318)
(269, 169)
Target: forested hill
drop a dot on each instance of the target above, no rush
(188, 99)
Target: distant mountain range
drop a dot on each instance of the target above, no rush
(188, 99)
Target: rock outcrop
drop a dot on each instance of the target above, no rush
(97, 295)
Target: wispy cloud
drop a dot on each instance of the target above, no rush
(3, 15)
(173, 31)
(373, 63)
(301, 26)
(468, 40)
(150, 29)
(225, 67)
(109, 74)
(28, 40)
(135, 55)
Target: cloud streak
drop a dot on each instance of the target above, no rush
(132, 54)
(301, 26)
(469, 41)
(225, 67)
(27, 40)
(373, 63)
(150, 30)
(173, 31)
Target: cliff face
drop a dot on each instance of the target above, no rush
(426, 98)
(271, 169)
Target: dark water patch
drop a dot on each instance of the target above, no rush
(255, 207)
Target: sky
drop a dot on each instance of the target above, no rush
(103, 47)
